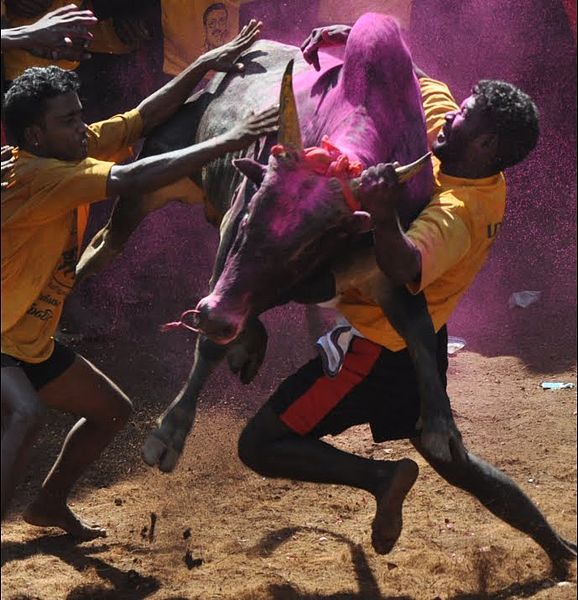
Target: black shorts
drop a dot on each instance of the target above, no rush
(375, 386)
(44, 372)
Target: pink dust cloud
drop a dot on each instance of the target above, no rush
(531, 43)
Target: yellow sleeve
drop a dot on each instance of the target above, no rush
(437, 102)
(111, 139)
(442, 238)
(63, 186)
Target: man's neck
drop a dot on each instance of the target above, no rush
(467, 171)
(35, 150)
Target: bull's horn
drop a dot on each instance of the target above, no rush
(406, 172)
(289, 130)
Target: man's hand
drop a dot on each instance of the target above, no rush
(8, 155)
(224, 57)
(161, 105)
(376, 190)
(62, 34)
(334, 35)
(254, 127)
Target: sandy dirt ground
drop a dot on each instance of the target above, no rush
(222, 532)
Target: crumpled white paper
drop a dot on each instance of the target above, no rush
(455, 344)
(524, 299)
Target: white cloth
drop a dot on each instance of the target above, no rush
(333, 345)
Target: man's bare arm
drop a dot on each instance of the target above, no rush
(154, 172)
(62, 33)
(161, 105)
(397, 256)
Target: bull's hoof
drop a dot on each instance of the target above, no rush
(157, 452)
(441, 441)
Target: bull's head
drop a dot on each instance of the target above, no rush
(296, 221)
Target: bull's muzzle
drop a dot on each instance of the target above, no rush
(216, 324)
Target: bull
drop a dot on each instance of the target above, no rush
(287, 215)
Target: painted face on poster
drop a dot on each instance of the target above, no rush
(216, 25)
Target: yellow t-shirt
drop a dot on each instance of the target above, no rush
(43, 220)
(453, 234)
(189, 31)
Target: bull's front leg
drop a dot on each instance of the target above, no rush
(408, 314)
(164, 445)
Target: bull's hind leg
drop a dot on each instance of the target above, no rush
(503, 498)
(129, 212)
(409, 316)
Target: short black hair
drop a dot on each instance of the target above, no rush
(211, 8)
(25, 100)
(512, 115)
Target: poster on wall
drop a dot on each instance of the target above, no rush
(192, 27)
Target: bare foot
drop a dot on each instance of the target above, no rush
(387, 524)
(44, 515)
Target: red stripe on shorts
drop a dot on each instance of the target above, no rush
(326, 393)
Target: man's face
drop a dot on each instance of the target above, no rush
(63, 133)
(217, 28)
(461, 128)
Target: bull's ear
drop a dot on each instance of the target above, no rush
(252, 169)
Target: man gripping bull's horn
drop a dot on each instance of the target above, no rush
(432, 263)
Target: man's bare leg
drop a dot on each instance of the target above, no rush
(21, 415)
(270, 448)
(503, 498)
(85, 391)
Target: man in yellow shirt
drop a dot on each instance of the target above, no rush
(63, 166)
(439, 255)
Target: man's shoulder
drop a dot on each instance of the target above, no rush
(132, 116)
(478, 203)
(110, 139)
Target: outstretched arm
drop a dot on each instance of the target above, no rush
(154, 172)
(62, 33)
(161, 105)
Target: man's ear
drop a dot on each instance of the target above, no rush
(487, 143)
(33, 136)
